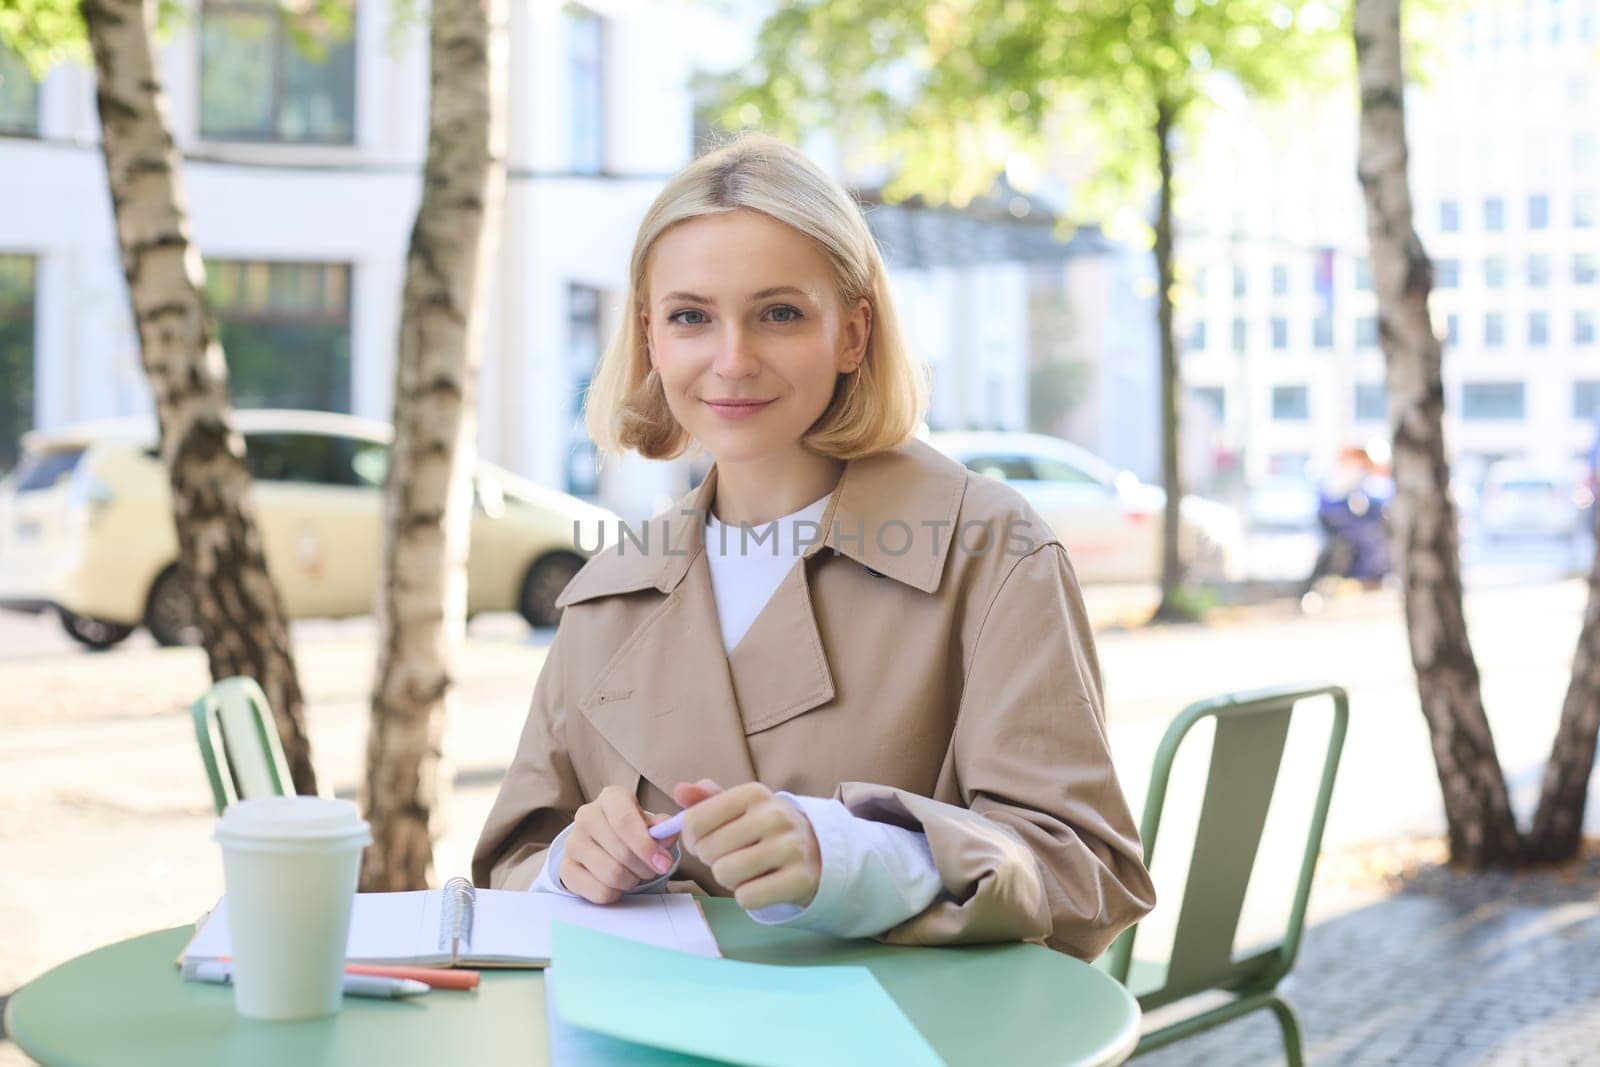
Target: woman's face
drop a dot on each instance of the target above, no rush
(746, 329)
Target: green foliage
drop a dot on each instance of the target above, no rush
(951, 92)
(47, 32)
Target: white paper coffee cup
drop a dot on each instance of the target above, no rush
(290, 866)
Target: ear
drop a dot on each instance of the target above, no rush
(644, 333)
(857, 331)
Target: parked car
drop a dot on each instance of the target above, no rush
(1109, 521)
(86, 527)
(1523, 498)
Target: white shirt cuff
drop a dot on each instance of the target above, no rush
(549, 880)
(875, 875)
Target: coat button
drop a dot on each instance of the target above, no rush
(875, 574)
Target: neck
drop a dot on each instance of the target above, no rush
(761, 490)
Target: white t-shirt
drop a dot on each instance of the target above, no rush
(874, 875)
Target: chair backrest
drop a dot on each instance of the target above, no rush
(239, 743)
(1246, 753)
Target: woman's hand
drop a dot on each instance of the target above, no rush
(756, 843)
(610, 850)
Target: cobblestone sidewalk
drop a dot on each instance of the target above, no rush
(1490, 969)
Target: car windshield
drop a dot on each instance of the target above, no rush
(48, 469)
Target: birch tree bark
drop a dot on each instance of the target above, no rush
(422, 592)
(241, 618)
(1172, 607)
(1482, 829)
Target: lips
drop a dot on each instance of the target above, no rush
(736, 409)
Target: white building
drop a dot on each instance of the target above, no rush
(1281, 323)
(302, 185)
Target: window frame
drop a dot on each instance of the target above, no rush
(281, 43)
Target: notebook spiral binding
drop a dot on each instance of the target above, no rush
(455, 918)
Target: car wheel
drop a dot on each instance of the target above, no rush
(93, 633)
(169, 613)
(543, 584)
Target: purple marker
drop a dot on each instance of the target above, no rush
(663, 830)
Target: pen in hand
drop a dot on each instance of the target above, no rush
(672, 826)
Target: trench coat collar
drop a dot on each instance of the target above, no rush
(894, 512)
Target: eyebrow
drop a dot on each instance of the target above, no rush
(695, 298)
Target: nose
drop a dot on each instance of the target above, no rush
(736, 357)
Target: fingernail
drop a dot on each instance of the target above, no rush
(661, 862)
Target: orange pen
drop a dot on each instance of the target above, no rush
(437, 977)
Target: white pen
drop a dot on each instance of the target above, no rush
(355, 985)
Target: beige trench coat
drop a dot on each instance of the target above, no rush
(931, 665)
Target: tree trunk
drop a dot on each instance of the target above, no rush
(241, 619)
(1482, 828)
(1172, 607)
(422, 595)
(1558, 823)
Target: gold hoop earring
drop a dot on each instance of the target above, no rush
(855, 381)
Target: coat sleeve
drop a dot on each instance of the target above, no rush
(540, 793)
(1042, 845)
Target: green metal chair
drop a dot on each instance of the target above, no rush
(239, 743)
(1246, 754)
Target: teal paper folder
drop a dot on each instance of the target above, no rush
(746, 1013)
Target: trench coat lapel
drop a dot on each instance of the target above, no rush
(779, 668)
(665, 700)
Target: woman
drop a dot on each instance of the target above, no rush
(864, 672)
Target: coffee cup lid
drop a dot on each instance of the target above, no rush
(292, 818)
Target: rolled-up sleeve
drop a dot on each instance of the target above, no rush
(539, 795)
(1042, 846)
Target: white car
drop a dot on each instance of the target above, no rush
(86, 527)
(1522, 498)
(1109, 521)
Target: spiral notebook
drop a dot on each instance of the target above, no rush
(466, 927)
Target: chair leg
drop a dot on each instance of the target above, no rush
(1293, 1048)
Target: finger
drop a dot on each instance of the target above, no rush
(605, 868)
(747, 830)
(611, 843)
(641, 852)
(576, 877)
(652, 819)
(688, 794)
(749, 864)
(785, 885)
(713, 812)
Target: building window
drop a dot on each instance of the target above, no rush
(258, 84)
(1280, 280)
(1492, 400)
(1449, 216)
(1214, 399)
(1291, 403)
(1367, 331)
(1494, 214)
(1583, 268)
(1446, 273)
(586, 88)
(1364, 274)
(1241, 281)
(1494, 329)
(1241, 335)
(1197, 335)
(1280, 332)
(1494, 272)
(1371, 402)
(1583, 154)
(1538, 212)
(1583, 328)
(1586, 400)
(1539, 271)
(1452, 328)
(1538, 328)
(16, 355)
(285, 329)
(19, 95)
(1583, 210)
(1322, 331)
(583, 355)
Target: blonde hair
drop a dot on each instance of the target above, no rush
(875, 407)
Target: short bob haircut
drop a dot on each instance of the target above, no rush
(626, 407)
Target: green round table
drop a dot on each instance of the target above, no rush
(125, 1003)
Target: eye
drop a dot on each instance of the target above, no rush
(786, 313)
(678, 317)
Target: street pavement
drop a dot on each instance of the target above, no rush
(105, 817)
